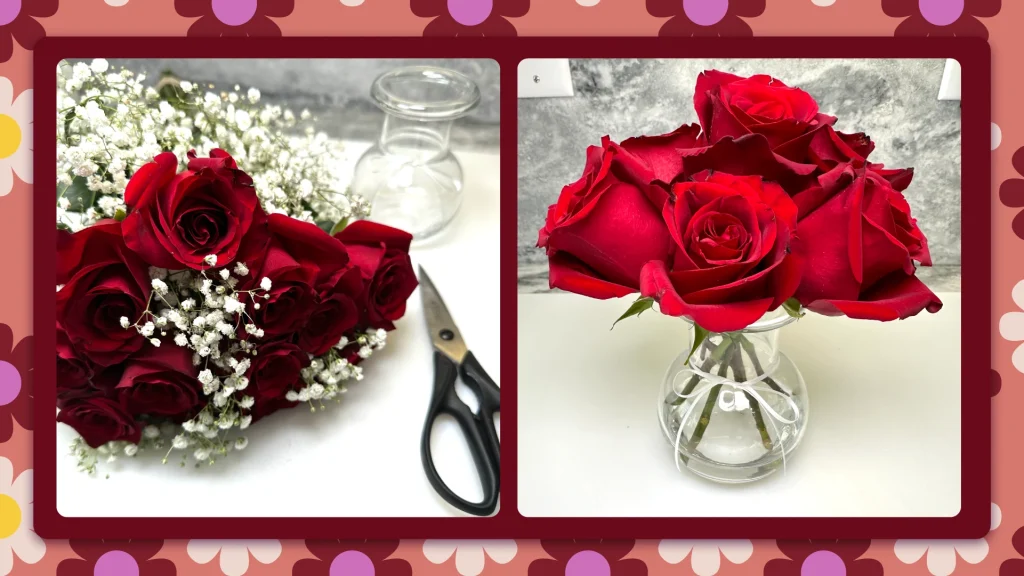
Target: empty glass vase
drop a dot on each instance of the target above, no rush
(738, 408)
(410, 176)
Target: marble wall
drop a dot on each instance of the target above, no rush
(335, 90)
(895, 101)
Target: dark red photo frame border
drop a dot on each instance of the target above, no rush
(973, 519)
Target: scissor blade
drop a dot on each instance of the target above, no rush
(444, 334)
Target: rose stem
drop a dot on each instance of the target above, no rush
(709, 404)
(716, 355)
(748, 347)
(741, 376)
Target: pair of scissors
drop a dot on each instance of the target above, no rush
(453, 360)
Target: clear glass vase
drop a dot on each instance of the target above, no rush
(410, 176)
(738, 408)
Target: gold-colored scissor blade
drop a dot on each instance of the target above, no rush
(444, 334)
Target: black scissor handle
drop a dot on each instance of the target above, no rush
(479, 431)
(489, 396)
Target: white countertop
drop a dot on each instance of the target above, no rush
(366, 449)
(883, 437)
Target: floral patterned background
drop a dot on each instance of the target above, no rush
(23, 22)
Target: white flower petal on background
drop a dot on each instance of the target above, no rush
(15, 135)
(469, 554)
(1011, 326)
(997, 135)
(234, 554)
(705, 555)
(22, 540)
(941, 554)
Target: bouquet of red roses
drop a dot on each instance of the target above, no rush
(196, 312)
(762, 205)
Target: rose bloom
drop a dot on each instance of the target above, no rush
(275, 370)
(161, 381)
(731, 106)
(865, 246)
(734, 254)
(381, 253)
(585, 231)
(103, 282)
(100, 420)
(309, 272)
(177, 220)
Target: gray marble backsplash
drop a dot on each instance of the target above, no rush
(894, 101)
(337, 91)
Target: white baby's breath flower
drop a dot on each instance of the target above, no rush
(206, 376)
(291, 396)
(180, 442)
(210, 260)
(151, 432)
(365, 352)
(125, 323)
(247, 402)
(147, 329)
(180, 340)
(265, 283)
(224, 273)
(131, 450)
(241, 442)
(244, 422)
(155, 342)
(99, 65)
(185, 86)
(241, 269)
(201, 454)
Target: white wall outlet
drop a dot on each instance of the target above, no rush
(544, 78)
(950, 87)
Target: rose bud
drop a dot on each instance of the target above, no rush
(177, 220)
(735, 256)
(103, 282)
(162, 381)
(862, 264)
(73, 372)
(275, 370)
(585, 230)
(100, 420)
(381, 254)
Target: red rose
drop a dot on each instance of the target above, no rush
(103, 281)
(73, 373)
(585, 231)
(381, 254)
(176, 220)
(162, 381)
(334, 316)
(731, 106)
(100, 420)
(865, 243)
(735, 256)
(275, 370)
(829, 148)
(302, 262)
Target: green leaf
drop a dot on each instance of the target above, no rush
(792, 307)
(79, 195)
(699, 335)
(120, 214)
(339, 226)
(636, 309)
